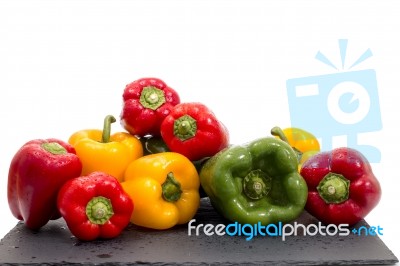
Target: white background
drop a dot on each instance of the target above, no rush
(64, 65)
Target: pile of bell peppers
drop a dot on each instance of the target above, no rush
(170, 155)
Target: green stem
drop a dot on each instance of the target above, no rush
(54, 148)
(99, 210)
(334, 188)
(278, 132)
(256, 184)
(171, 189)
(152, 97)
(185, 127)
(108, 120)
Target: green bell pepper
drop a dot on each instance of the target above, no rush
(153, 145)
(255, 182)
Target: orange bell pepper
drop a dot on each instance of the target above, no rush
(303, 142)
(101, 151)
(165, 189)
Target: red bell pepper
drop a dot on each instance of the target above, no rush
(37, 172)
(193, 130)
(342, 187)
(95, 206)
(146, 102)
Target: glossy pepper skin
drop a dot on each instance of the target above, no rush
(165, 189)
(101, 151)
(37, 172)
(146, 102)
(193, 130)
(255, 182)
(152, 145)
(342, 186)
(94, 206)
(303, 142)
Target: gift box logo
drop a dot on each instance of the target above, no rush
(339, 104)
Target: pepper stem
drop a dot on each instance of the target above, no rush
(108, 120)
(185, 127)
(278, 132)
(152, 97)
(171, 189)
(99, 210)
(54, 148)
(256, 184)
(334, 188)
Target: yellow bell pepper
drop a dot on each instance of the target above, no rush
(303, 142)
(164, 188)
(101, 151)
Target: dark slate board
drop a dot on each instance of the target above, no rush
(54, 244)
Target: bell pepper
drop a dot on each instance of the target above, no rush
(193, 130)
(151, 145)
(342, 187)
(37, 172)
(303, 142)
(101, 151)
(94, 206)
(164, 188)
(146, 102)
(255, 182)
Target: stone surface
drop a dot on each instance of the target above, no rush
(54, 244)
